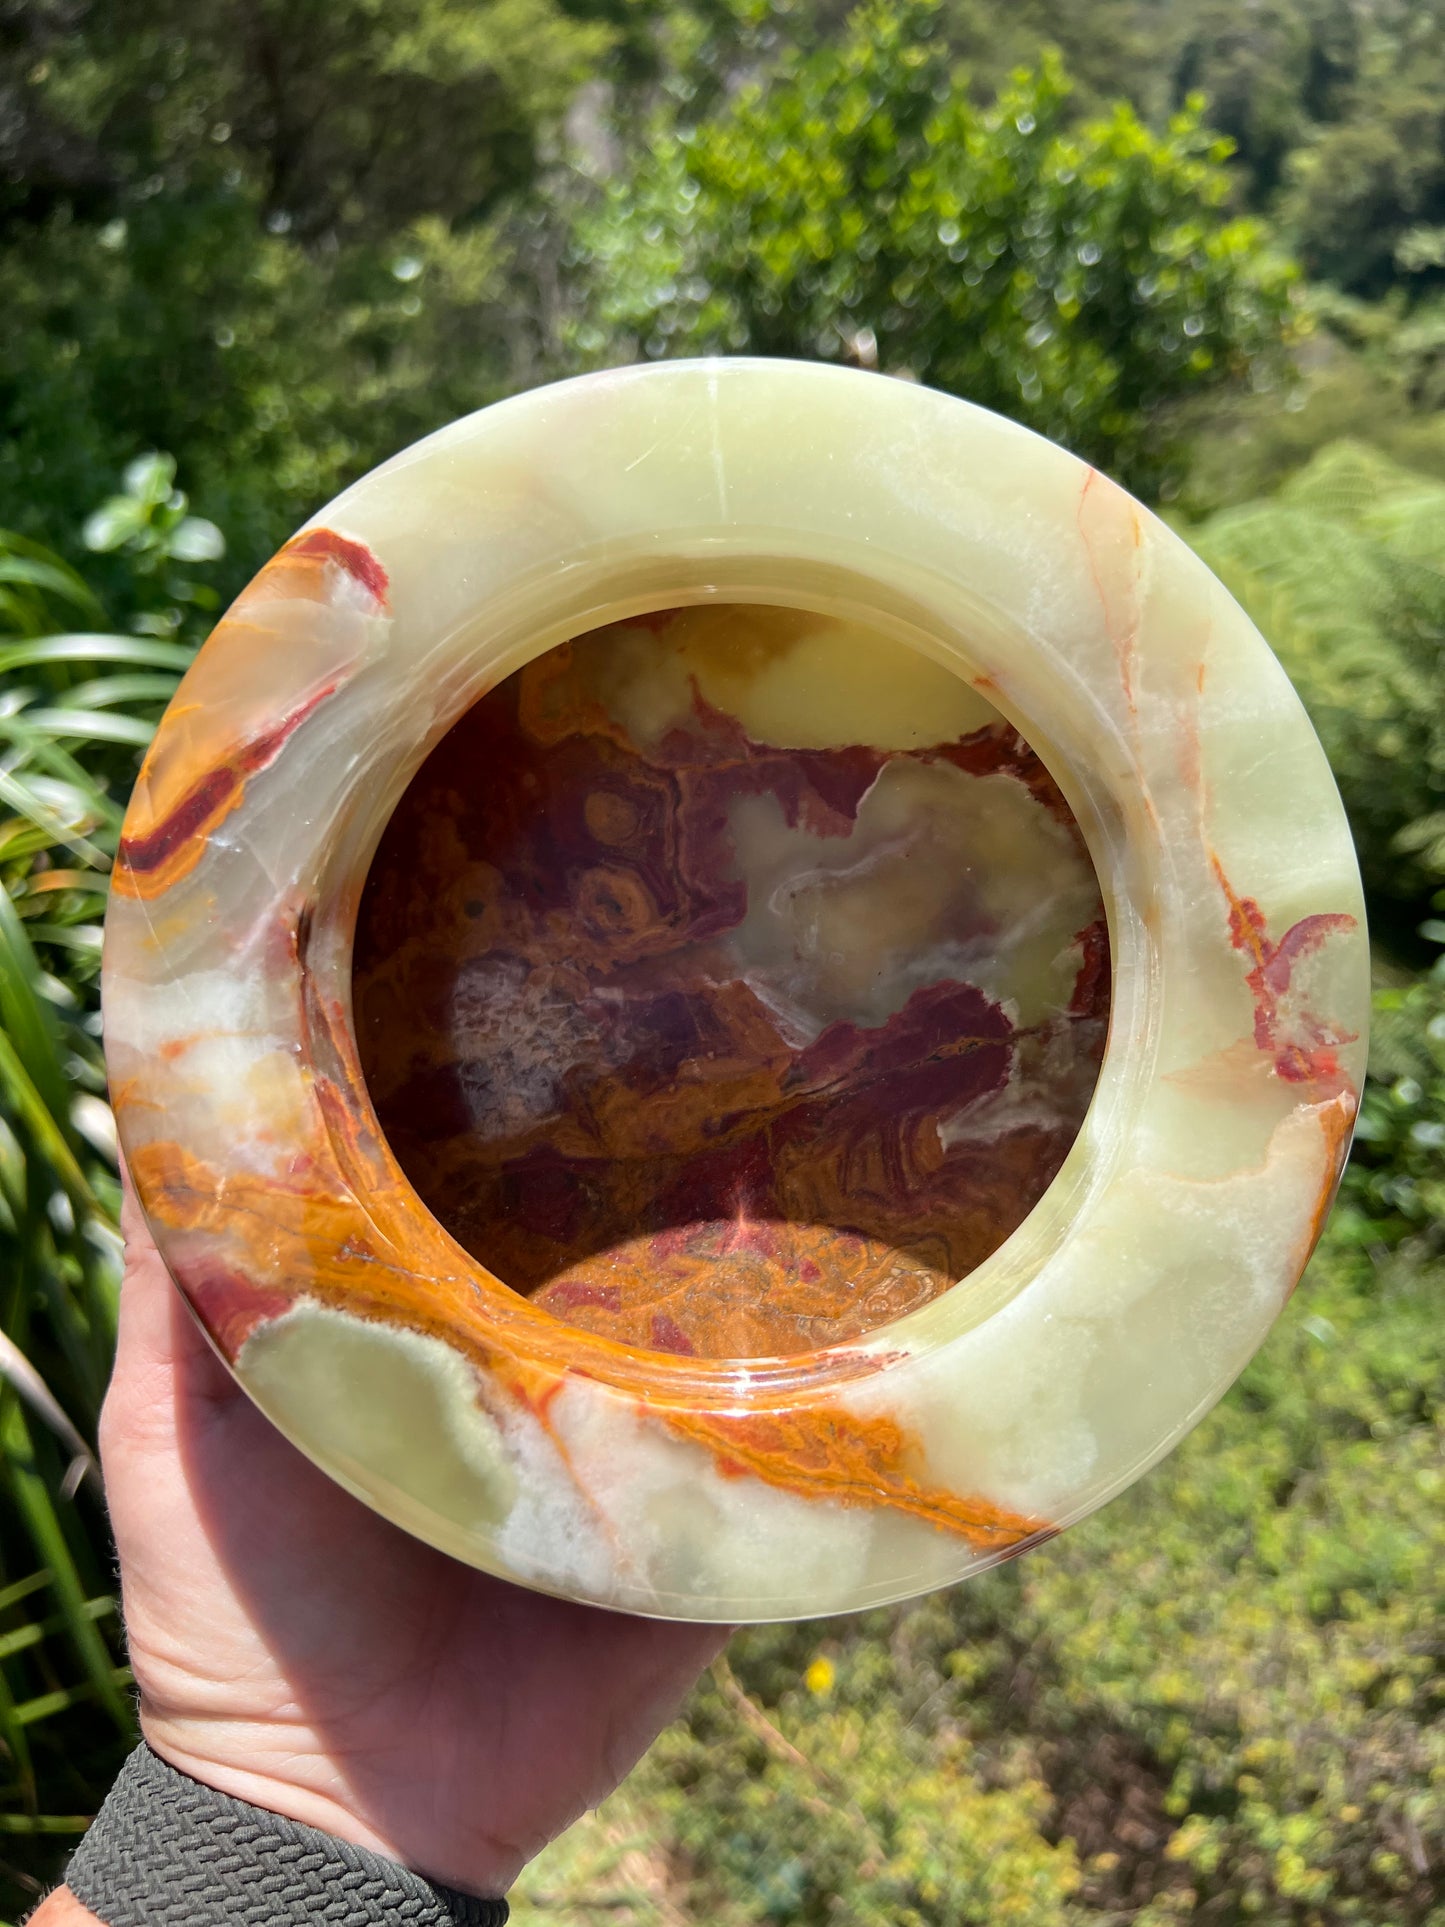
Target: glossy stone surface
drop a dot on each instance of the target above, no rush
(912, 1453)
(732, 982)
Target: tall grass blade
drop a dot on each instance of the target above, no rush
(16, 1083)
(18, 1371)
(38, 1512)
(140, 652)
(25, 1016)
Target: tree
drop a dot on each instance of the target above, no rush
(1367, 198)
(347, 115)
(1271, 73)
(278, 240)
(1110, 48)
(1337, 112)
(1082, 278)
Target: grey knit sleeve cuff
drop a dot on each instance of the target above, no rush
(166, 1851)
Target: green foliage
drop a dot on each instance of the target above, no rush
(274, 373)
(1274, 73)
(1397, 1171)
(349, 115)
(1108, 47)
(1354, 389)
(282, 240)
(1344, 571)
(275, 239)
(1335, 109)
(1366, 194)
(1220, 1699)
(148, 524)
(1082, 278)
(76, 709)
(795, 1833)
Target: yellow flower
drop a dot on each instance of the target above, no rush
(820, 1676)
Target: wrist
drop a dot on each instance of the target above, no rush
(168, 1850)
(280, 1767)
(269, 1765)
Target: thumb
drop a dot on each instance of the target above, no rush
(162, 1355)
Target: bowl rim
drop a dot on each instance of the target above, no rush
(1085, 637)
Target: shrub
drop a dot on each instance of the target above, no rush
(1219, 1699)
(1082, 278)
(1397, 1170)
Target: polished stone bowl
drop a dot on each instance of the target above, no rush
(735, 989)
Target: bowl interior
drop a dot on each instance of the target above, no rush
(731, 981)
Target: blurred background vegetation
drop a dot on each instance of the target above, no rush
(248, 250)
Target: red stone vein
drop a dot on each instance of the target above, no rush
(196, 771)
(211, 798)
(354, 557)
(1122, 629)
(1310, 1058)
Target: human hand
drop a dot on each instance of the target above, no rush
(295, 1650)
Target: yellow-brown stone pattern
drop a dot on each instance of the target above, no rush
(221, 731)
(711, 1044)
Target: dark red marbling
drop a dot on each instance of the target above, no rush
(573, 1071)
